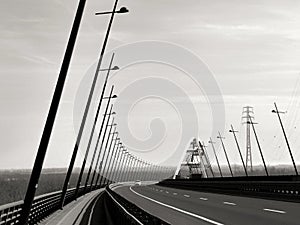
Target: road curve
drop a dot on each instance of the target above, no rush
(190, 207)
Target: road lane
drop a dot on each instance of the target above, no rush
(223, 209)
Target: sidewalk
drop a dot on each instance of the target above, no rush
(73, 212)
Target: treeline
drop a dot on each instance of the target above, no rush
(13, 184)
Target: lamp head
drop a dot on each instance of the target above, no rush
(123, 10)
(115, 68)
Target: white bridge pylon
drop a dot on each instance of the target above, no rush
(195, 162)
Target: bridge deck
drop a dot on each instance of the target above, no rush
(73, 212)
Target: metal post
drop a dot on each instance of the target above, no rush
(238, 147)
(206, 158)
(41, 153)
(114, 166)
(133, 168)
(122, 166)
(79, 135)
(112, 157)
(220, 137)
(286, 139)
(260, 151)
(123, 175)
(101, 147)
(92, 133)
(147, 177)
(129, 167)
(105, 149)
(213, 147)
(118, 166)
(108, 152)
(98, 140)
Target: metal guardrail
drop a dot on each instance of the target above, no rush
(128, 213)
(283, 188)
(42, 206)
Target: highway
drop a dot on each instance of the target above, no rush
(186, 207)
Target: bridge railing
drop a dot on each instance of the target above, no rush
(285, 188)
(42, 207)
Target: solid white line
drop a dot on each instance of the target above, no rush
(93, 207)
(204, 199)
(82, 204)
(179, 210)
(275, 211)
(186, 196)
(229, 203)
(124, 208)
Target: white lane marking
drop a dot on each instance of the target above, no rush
(204, 199)
(187, 196)
(174, 193)
(124, 208)
(167, 192)
(177, 209)
(275, 211)
(229, 203)
(82, 204)
(92, 210)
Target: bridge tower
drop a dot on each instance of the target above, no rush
(247, 117)
(195, 163)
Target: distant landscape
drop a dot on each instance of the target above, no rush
(13, 183)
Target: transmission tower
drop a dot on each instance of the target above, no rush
(247, 117)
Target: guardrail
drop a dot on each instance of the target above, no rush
(283, 188)
(42, 206)
(128, 213)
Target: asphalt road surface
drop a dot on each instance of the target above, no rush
(186, 207)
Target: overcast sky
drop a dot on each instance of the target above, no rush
(251, 47)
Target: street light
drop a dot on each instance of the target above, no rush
(213, 147)
(120, 11)
(113, 68)
(206, 157)
(113, 113)
(221, 138)
(86, 110)
(259, 148)
(111, 158)
(91, 136)
(106, 148)
(43, 145)
(238, 147)
(114, 96)
(286, 140)
(98, 141)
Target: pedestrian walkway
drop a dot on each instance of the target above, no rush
(72, 212)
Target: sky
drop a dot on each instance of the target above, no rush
(249, 49)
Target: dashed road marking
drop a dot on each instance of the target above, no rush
(229, 203)
(187, 196)
(275, 211)
(167, 192)
(174, 193)
(178, 210)
(204, 199)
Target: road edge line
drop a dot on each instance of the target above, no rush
(177, 209)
